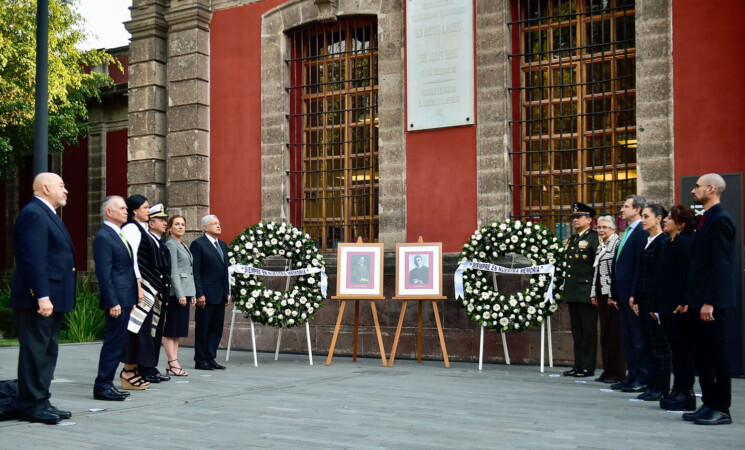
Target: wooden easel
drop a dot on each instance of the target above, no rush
(357, 299)
(419, 299)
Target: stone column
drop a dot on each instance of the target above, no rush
(148, 52)
(188, 139)
(494, 134)
(654, 101)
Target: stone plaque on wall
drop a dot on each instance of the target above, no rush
(439, 63)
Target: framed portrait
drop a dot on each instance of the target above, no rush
(419, 270)
(360, 271)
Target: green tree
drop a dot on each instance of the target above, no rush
(70, 87)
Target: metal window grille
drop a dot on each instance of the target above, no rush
(333, 121)
(577, 108)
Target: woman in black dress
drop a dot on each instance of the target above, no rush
(182, 294)
(672, 306)
(655, 346)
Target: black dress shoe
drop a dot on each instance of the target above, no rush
(684, 400)
(217, 366)
(571, 373)
(124, 393)
(620, 385)
(39, 416)
(203, 366)
(151, 378)
(691, 417)
(636, 387)
(714, 417)
(62, 414)
(109, 394)
(583, 373)
(650, 396)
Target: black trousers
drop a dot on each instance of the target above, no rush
(142, 348)
(111, 349)
(614, 365)
(208, 325)
(679, 331)
(656, 352)
(712, 362)
(631, 339)
(584, 320)
(37, 357)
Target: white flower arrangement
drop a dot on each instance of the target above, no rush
(268, 307)
(525, 309)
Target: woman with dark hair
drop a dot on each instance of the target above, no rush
(655, 347)
(183, 294)
(138, 213)
(671, 305)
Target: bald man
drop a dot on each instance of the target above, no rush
(711, 292)
(43, 289)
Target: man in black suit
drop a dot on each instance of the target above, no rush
(419, 274)
(43, 289)
(210, 264)
(118, 287)
(623, 282)
(711, 290)
(583, 315)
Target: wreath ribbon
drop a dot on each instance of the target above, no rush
(241, 268)
(532, 270)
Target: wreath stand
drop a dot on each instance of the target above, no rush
(544, 324)
(279, 334)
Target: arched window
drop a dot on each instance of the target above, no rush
(334, 131)
(577, 113)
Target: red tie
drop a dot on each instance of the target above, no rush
(701, 221)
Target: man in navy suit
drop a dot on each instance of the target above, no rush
(118, 290)
(210, 257)
(711, 290)
(43, 289)
(623, 281)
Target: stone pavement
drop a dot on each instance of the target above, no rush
(361, 405)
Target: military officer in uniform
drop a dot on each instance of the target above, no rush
(581, 249)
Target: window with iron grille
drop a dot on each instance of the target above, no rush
(577, 103)
(334, 131)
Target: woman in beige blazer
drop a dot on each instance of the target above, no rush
(182, 294)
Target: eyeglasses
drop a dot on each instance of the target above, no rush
(603, 227)
(702, 185)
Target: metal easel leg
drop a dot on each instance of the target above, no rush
(307, 335)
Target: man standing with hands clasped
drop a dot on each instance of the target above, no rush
(43, 289)
(711, 290)
(583, 315)
(210, 263)
(118, 291)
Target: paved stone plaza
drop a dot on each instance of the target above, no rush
(290, 405)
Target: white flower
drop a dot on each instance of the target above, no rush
(470, 307)
(502, 226)
(518, 224)
(513, 302)
(486, 315)
(496, 307)
(244, 292)
(539, 319)
(504, 321)
(243, 237)
(291, 321)
(274, 241)
(514, 239)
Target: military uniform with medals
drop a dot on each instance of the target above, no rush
(580, 256)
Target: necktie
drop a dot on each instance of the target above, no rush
(126, 244)
(623, 240)
(217, 246)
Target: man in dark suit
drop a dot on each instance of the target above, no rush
(583, 315)
(419, 274)
(210, 256)
(623, 282)
(118, 287)
(711, 290)
(43, 289)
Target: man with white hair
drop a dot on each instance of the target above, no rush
(43, 289)
(711, 282)
(210, 265)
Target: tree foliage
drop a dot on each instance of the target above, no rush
(70, 87)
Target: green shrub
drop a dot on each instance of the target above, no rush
(86, 322)
(7, 323)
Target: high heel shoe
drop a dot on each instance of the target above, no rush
(176, 371)
(135, 382)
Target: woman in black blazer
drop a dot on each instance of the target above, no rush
(655, 346)
(671, 304)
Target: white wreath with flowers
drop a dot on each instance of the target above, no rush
(288, 308)
(525, 309)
